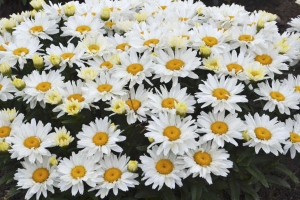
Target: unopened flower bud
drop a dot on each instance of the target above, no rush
(140, 17)
(151, 140)
(4, 146)
(53, 161)
(132, 166)
(19, 83)
(181, 109)
(105, 14)
(118, 106)
(37, 4)
(5, 69)
(246, 136)
(205, 50)
(38, 61)
(55, 60)
(9, 24)
(69, 9)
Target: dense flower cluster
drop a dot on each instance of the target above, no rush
(104, 77)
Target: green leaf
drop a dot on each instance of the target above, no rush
(142, 148)
(278, 181)
(234, 189)
(249, 190)
(220, 185)
(196, 191)
(168, 194)
(282, 168)
(13, 191)
(210, 195)
(24, 2)
(254, 171)
(6, 177)
(146, 192)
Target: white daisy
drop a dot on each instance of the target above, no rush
(265, 134)
(220, 128)
(7, 90)
(100, 137)
(293, 144)
(221, 94)
(61, 137)
(172, 133)
(161, 170)
(30, 140)
(38, 177)
(9, 120)
(206, 160)
(113, 175)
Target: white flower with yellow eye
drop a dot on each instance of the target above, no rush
(30, 140)
(222, 94)
(99, 138)
(113, 175)
(160, 170)
(293, 143)
(278, 95)
(62, 137)
(41, 27)
(294, 82)
(38, 177)
(172, 133)
(220, 128)
(87, 73)
(76, 171)
(207, 159)
(265, 133)
(254, 71)
(6, 88)
(9, 120)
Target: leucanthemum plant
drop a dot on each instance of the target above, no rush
(145, 100)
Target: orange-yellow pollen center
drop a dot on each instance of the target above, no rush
(172, 132)
(135, 68)
(219, 127)
(32, 142)
(264, 59)
(100, 138)
(133, 104)
(202, 158)
(164, 166)
(262, 133)
(168, 103)
(174, 64)
(104, 88)
(221, 93)
(112, 174)
(4, 131)
(40, 175)
(210, 41)
(78, 171)
(43, 86)
(77, 97)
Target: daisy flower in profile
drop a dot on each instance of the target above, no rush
(30, 140)
(134, 69)
(293, 143)
(37, 86)
(173, 64)
(265, 133)
(294, 82)
(278, 95)
(219, 128)
(100, 137)
(38, 177)
(255, 72)
(75, 171)
(41, 27)
(160, 170)
(175, 101)
(114, 175)
(172, 133)
(207, 159)
(6, 88)
(221, 94)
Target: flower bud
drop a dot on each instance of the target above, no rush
(4, 146)
(9, 24)
(19, 83)
(55, 60)
(105, 14)
(150, 139)
(69, 9)
(140, 17)
(37, 4)
(5, 69)
(132, 166)
(205, 50)
(53, 161)
(246, 136)
(118, 106)
(181, 109)
(38, 61)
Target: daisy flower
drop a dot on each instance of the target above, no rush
(220, 128)
(9, 120)
(207, 159)
(221, 94)
(30, 140)
(255, 72)
(61, 137)
(75, 171)
(294, 82)
(160, 170)
(265, 133)
(113, 175)
(41, 27)
(6, 88)
(134, 69)
(173, 64)
(99, 137)
(37, 86)
(169, 101)
(38, 177)
(172, 133)
(293, 144)
(278, 95)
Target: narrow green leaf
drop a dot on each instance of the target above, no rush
(146, 192)
(210, 195)
(278, 181)
(6, 177)
(249, 190)
(13, 191)
(142, 148)
(254, 171)
(196, 191)
(234, 189)
(168, 194)
(282, 168)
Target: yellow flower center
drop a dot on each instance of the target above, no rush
(40, 175)
(123, 46)
(234, 66)
(164, 166)
(277, 96)
(104, 88)
(210, 41)
(77, 97)
(94, 48)
(262, 133)
(246, 38)
(110, 24)
(1, 86)
(163, 7)
(2, 48)
(264, 59)
(133, 104)
(112, 174)
(106, 64)
(174, 64)
(43, 86)
(4, 131)
(151, 42)
(219, 127)
(297, 88)
(78, 171)
(172, 132)
(66, 56)
(21, 51)
(183, 19)
(221, 93)
(83, 29)
(202, 158)
(36, 29)
(32, 142)
(135, 68)
(100, 138)
(168, 103)
(294, 137)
